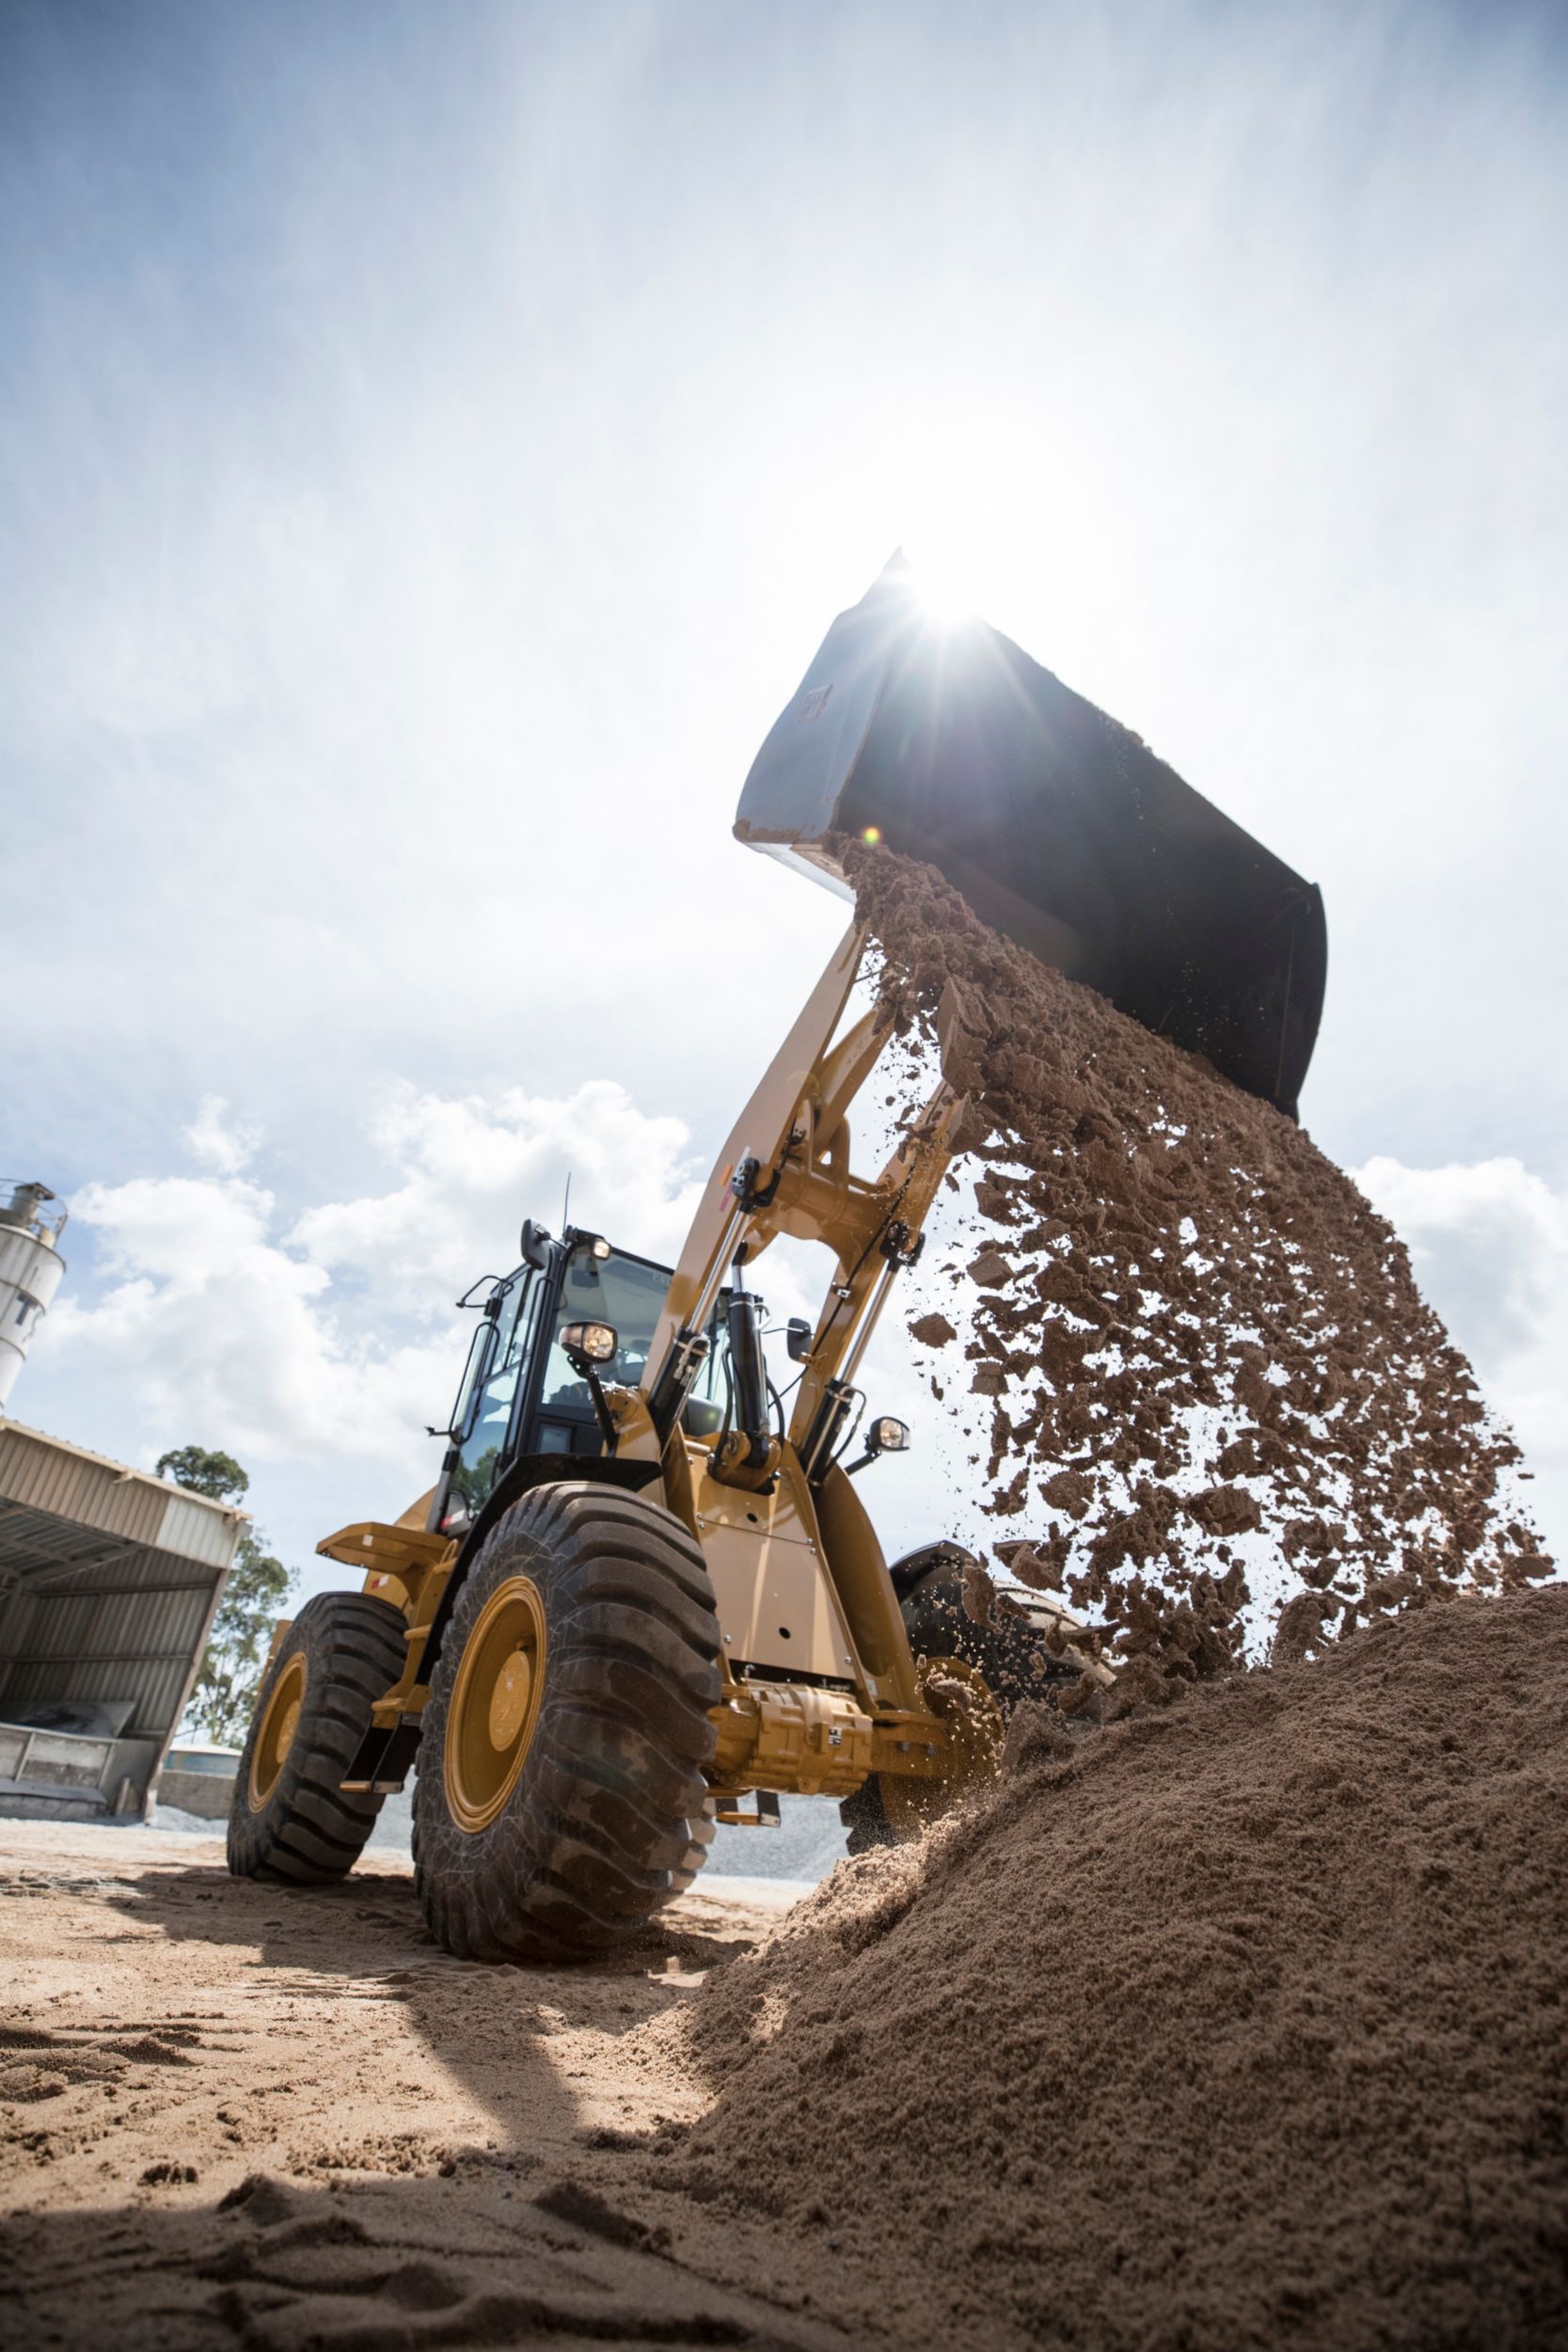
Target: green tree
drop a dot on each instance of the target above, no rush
(227, 1681)
(216, 1476)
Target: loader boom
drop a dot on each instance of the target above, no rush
(785, 1168)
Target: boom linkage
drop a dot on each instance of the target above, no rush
(785, 1169)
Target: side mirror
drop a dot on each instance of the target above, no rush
(534, 1243)
(798, 1340)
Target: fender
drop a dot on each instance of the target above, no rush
(907, 1571)
(384, 1756)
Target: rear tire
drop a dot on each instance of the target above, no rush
(562, 1779)
(289, 1818)
(1010, 1656)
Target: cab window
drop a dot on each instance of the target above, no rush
(626, 1293)
(710, 1399)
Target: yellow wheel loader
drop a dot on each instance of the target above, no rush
(641, 1598)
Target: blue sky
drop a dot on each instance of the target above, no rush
(432, 440)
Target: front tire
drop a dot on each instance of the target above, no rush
(562, 1780)
(289, 1818)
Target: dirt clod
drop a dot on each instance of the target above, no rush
(932, 1330)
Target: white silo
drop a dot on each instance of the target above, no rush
(30, 1270)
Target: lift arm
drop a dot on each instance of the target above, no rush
(779, 1113)
(785, 1169)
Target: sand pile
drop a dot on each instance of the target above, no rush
(1238, 2023)
(1197, 1348)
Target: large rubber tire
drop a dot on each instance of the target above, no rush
(1010, 1656)
(584, 1833)
(290, 1818)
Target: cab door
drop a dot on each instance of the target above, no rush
(488, 1405)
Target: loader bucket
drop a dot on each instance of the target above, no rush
(1059, 827)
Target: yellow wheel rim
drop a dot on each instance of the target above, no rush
(959, 1694)
(495, 1704)
(276, 1737)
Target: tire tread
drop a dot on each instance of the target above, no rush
(310, 1832)
(598, 1831)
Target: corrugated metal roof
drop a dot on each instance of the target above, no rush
(192, 1528)
(86, 1490)
(37, 1545)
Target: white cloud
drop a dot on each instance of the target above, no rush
(220, 1320)
(212, 1328)
(472, 1168)
(316, 1346)
(1489, 1243)
(224, 1145)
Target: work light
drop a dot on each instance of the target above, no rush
(595, 1342)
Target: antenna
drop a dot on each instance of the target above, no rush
(566, 1202)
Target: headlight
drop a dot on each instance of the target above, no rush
(889, 1436)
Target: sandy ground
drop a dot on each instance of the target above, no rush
(229, 2114)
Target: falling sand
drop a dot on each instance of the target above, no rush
(1197, 1348)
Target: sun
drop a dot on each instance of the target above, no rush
(945, 599)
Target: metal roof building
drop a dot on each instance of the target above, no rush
(109, 1579)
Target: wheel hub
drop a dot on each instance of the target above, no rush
(276, 1732)
(509, 1700)
(495, 1704)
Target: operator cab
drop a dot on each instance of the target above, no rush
(520, 1395)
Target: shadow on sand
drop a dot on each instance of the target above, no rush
(378, 2240)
